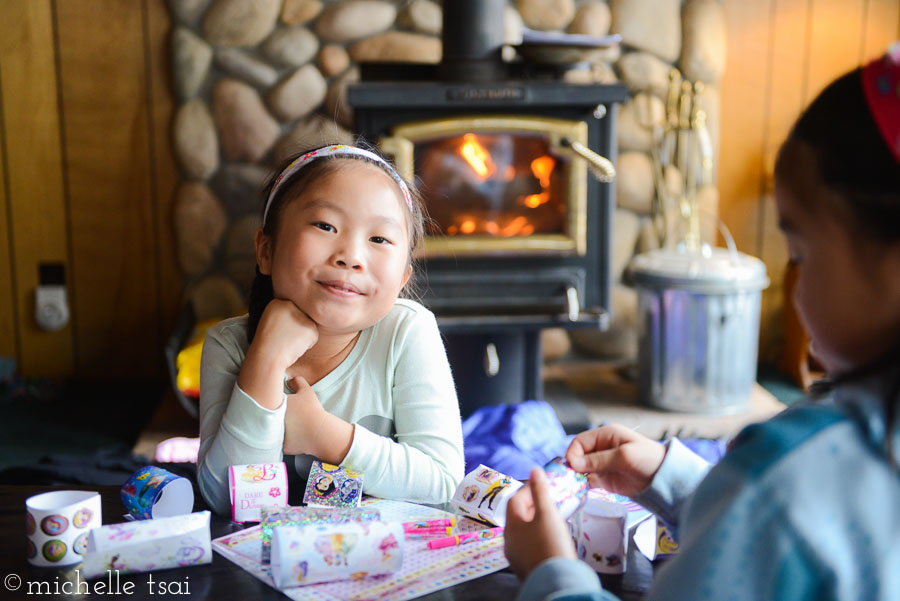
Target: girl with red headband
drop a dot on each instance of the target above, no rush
(805, 506)
(329, 363)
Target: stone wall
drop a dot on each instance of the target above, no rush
(258, 79)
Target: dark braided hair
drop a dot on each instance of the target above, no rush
(261, 291)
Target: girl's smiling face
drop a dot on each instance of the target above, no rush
(848, 290)
(342, 248)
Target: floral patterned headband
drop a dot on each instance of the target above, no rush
(881, 84)
(335, 150)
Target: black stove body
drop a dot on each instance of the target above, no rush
(521, 234)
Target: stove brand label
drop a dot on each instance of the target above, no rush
(495, 94)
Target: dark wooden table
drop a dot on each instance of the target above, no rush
(221, 579)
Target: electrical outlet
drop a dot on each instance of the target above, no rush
(51, 306)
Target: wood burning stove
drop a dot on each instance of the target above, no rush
(520, 238)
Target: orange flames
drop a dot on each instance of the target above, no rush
(477, 156)
(479, 159)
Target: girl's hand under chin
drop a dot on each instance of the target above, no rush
(284, 335)
(285, 332)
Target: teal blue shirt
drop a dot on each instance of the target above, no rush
(805, 506)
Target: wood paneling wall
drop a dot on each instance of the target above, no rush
(87, 175)
(88, 180)
(781, 53)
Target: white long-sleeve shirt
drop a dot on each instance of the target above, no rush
(395, 386)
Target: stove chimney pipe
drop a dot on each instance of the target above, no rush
(472, 38)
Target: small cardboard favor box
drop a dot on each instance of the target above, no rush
(274, 517)
(606, 525)
(253, 486)
(144, 545)
(483, 495)
(325, 552)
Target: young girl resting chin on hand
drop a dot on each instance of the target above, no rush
(330, 363)
(806, 505)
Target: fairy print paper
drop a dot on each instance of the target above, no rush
(273, 517)
(144, 545)
(332, 486)
(322, 553)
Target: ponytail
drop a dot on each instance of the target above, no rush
(261, 293)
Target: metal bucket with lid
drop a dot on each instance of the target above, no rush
(698, 316)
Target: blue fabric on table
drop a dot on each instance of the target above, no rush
(710, 449)
(513, 438)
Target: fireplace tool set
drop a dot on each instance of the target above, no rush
(682, 157)
(698, 305)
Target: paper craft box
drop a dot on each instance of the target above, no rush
(274, 517)
(606, 525)
(325, 552)
(145, 545)
(254, 486)
(483, 494)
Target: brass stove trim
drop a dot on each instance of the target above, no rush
(401, 145)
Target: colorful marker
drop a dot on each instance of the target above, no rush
(430, 523)
(427, 532)
(467, 537)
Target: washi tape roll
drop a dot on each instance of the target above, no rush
(322, 553)
(254, 486)
(57, 524)
(152, 492)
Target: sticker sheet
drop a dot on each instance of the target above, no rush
(332, 486)
(423, 570)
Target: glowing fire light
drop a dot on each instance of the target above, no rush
(533, 201)
(477, 156)
(514, 227)
(542, 167)
(467, 226)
